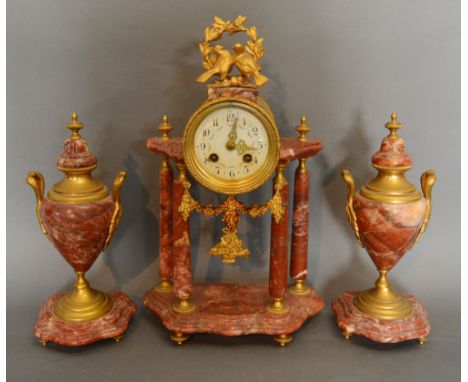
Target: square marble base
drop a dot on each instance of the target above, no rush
(112, 325)
(352, 321)
(233, 310)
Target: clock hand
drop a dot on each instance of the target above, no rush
(241, 147)
(232, 136)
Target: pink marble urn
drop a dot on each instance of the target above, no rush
(79, 217)
(388, 215)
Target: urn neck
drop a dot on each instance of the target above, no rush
(390, 186)
(78, 186)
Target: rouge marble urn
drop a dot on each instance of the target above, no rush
(79, 217)
(388, 215)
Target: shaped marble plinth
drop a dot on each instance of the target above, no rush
(112, 325)
(233, 310)
(352, 321)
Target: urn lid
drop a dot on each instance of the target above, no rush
(391, 161)
(77, 162)
(392, 151)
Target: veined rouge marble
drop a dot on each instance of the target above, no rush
(300, 226)
(291, 149)
(392, 153)
(182, 263)
(233, 310)
(166, 259)
(112, 325)
(78, 231)
(171, 148)
(278, 278)
(250, 94)
(76, 154)
(352, 321)
(388, 230)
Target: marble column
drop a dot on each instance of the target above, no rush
(181, 248)
(278, 277)
(300, 230)
(166, 259)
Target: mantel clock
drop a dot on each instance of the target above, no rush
(231, 146)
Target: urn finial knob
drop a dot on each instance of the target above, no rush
(303, 128)
(75, 126)
(165, 128)
(393, 125)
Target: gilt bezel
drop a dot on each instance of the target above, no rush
(224, 186)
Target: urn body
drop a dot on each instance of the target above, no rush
(388, 230)
(78, 231)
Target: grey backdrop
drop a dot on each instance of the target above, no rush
(123, 64)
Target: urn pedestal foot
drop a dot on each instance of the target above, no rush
(382, 301)
(233, 310)
(351, 321)
(83, 303)
(113, 324)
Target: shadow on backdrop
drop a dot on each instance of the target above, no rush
(184, 95)
(127, 258)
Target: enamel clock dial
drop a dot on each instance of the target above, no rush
(231, 146)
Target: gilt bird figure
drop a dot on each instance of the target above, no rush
(222, 65)
(247, 65)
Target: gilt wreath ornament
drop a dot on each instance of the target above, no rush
(219, 61)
